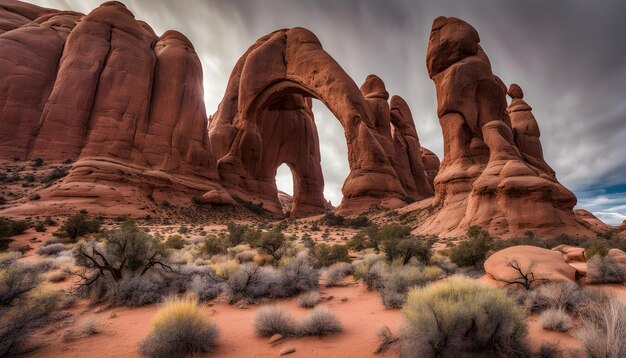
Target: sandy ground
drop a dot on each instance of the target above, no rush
(361, 315)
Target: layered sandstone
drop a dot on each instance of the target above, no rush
(103, 90)
(493, 173)
(265, 120)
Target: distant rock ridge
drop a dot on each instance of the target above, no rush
(126, 107)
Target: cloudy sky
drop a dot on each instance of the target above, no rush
(568, 56)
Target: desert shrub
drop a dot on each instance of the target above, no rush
(549, 350)
(8, 258)
(77, 226)
(249, 282)
(324, 255)
(309, 299)
(225, 269)
(24, 305)
(49, 221)
(34, 196)
(556, 320)
(51, 241)
(270, 320)
(307, 241)
(444, 263)
(295, 276)
(56, 173)
(373, 277)
(337, 272)
(117, 264)
(175, 242)
(604, 269)
(200, 280)
(397, 281)
(597, 248)
(603, 331)
(358, 222)
(40, 227)
(21, 320)
(51, 250)
(271, 242)
(37, 162)
(472, 252)
(180, 328)
(563, 295)
(460, 316)
(16, 281)
(319, 322)
(10, 228)
(214, 245)
(132, 291)
(245, 256)
(333, 220)
(236, 233)
(90, 327)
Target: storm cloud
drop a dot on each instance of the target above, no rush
(568, 56)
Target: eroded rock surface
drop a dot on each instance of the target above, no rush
(493, 173)
(265, 120)
(546, 265)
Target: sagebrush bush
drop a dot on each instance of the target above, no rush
(397, 281)
(556, 320)
(130, 291)
(603, 330)
(604, 269)
(373, 277)
(24, 306)
(550, 350)
(309, 299)
(180, 328)
(200, 280)
(245, 256)
(8, 258)
(51, 250)
(249, 282)
(458, 316)
(50, 241)
(563, 295)
(336, 273)
(175, 242)
(319, 322)
(295, 276)
(270, 320)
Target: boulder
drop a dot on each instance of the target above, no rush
(546, 265)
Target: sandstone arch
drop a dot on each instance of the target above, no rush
(271, 85)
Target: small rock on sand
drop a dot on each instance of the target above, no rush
(286, 351)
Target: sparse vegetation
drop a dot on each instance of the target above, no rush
(459, 315)
(180, 328)
(320, 322)
(472, 252)
(77, 226)
(51, 250)
(309, 299)
(337, 272)
(604, 269)
(270, 320)
(397, 280)
(324, 255)
(556, 320)
(603, 330)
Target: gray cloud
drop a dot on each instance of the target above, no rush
(569, 56)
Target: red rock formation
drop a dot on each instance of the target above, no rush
(104, 90)
(545, 264)
(265, 120)
(485, 178)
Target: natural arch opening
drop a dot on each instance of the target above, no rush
(285, 184)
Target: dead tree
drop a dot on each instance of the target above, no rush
(526, 278)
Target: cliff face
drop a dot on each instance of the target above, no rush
(126, 107)
(493, 173)
(104, 91)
